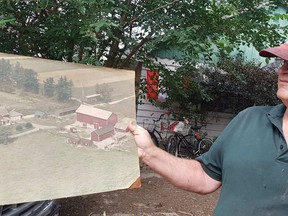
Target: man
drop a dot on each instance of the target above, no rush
(249, 160)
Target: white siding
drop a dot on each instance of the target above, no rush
(147, 112)
(216, 122)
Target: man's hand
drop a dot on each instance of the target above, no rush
(142, 139)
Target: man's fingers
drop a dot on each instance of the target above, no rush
(132, 127)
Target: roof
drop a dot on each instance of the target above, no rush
(121, 126)
(93, 96)
(13, 113)
(39, 113)
(104, 130)
(67, 109)
(3, 111)
(94, 112)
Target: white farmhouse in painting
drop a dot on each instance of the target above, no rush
(6, 117)
(15, 116)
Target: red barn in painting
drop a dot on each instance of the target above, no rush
(95, 118)
(103, 133)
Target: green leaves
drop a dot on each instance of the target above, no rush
(235, 85)
(43, 4)
(3, 22)
(116, 32)
(103, 24)
(64, 89)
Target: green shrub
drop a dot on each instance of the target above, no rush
(19, 128)
(235, 85)
(28, 125)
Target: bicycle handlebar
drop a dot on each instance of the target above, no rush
(156, 120)
(195, 126)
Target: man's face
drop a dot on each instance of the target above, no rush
(282, 92)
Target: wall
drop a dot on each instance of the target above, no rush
(216, 122)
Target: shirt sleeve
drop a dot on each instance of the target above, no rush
(212, 161)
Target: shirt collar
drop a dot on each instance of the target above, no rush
(277, 111)
(275, 115)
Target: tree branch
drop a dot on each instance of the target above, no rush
(155, 9)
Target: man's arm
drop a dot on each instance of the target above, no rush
(183, 173)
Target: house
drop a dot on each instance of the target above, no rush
(66, 111)
(92, 117)
(15, 116)
(4, 120)
(4, 116)
(92, 98)
(7, 117)
(39, 114)
(4, 112)
(80, 141)
(103, 133)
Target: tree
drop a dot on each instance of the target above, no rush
(185, 91)
(19, 128)
(64, 89)
(23, 78)
(5, 72)
(116, 33)
(5, 132)
(30, 81)
(28, 125)
(6, 82)
(105, 91)
(18, 75)
(49, 87)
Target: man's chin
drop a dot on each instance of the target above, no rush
(283, 96)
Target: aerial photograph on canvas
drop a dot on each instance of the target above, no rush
(63, 129)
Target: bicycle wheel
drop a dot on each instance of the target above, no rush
(204, 145)
(186, 147)
(172, 143)
(154, 138)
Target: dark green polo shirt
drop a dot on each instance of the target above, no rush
(250, 158)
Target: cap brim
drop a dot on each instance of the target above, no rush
(279, 51)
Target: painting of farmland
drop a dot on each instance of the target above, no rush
(63, 129)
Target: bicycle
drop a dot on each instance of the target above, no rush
(151, 128)
(183, 130)
(160, 130)
(173, 142)
(191, 145)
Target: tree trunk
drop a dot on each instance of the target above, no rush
(81, 51)
(112, 54)
(133, 51)
(138, 70)
(70, 51)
